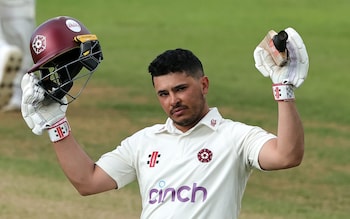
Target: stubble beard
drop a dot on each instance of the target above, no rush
(193, 119)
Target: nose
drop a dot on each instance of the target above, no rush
(174, 100)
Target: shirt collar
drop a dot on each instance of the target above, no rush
(212, 120)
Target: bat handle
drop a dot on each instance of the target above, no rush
(280, 41)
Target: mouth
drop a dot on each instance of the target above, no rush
(178, 111)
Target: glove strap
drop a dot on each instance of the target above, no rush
(283, 92)
(60, 130)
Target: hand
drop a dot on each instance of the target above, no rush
(38, 111)
(296, 68)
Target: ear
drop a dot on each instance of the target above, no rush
(205, 84)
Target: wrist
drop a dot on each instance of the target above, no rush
(283, 92)
(59, 131)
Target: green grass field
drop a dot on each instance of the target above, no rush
(120, 100)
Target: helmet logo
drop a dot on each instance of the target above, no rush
(39, 44)
(73, 25)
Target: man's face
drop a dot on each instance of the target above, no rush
(182, 97)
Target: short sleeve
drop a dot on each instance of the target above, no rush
(118, 165)
(253, 143)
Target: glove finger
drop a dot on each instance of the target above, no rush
(298, 58)
(28, 112)
(298, 44)
(32, 92)
(28, 80)
(25, 81)
(25, 115)
(26, 88)
(37, 119)
(39, 94)
(261, 61)
(24, 109)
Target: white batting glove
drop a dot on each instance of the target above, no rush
(42, 113)
(294, 72)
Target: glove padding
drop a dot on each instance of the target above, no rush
(38, 111)
(296, 69)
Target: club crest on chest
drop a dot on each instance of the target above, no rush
(205, 155)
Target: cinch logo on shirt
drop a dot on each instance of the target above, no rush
(182, 194)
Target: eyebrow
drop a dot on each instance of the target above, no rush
(162, 92)
(173, 88)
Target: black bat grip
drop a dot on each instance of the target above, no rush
(280, 41)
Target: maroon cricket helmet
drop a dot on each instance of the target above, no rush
(61, 47)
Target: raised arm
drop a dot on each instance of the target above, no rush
(61, 48)
(42, 113)
(82, 172)
(287, 149)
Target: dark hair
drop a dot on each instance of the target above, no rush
(177, 60)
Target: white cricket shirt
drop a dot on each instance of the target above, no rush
(201, 173)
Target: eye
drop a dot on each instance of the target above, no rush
(163, 93)
(181, 88)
